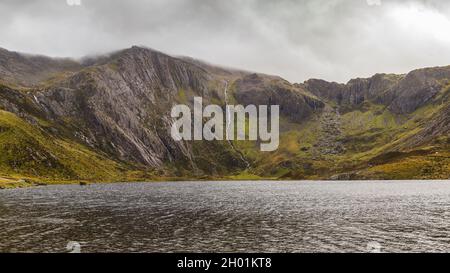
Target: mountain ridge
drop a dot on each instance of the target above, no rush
(115, 108)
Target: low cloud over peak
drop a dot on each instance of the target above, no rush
(334, 40)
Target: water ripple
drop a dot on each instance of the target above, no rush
(406, 216)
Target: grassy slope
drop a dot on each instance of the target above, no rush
(371, 134)
(28, 152)
(29, 155)
(373, 138)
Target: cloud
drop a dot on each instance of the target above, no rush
(374, 2)
(329, 39)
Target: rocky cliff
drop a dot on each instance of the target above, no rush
(108, 118)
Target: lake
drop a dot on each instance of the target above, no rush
(356, 216)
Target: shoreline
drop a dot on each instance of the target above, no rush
(6, 183)
(12, 183)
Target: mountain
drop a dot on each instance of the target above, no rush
(22, 70)
(107, 118)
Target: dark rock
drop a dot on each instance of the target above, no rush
(295, 102)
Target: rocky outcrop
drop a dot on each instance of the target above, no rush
(356, 91)
(435, 129)
(122, 107)
(327, 90)
(417, 88)
(295, 102)
(402, 94)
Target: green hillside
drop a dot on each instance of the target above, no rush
(108, 121)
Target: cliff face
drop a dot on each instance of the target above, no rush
(108, 117)
(402, 94)
(295, 102)
(122, 107)
(418, 88)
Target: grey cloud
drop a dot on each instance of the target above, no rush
(330, 39)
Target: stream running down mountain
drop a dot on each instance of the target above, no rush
(242, 157)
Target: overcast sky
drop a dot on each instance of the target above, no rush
(329, 39)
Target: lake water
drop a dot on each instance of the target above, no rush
(391, 216)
